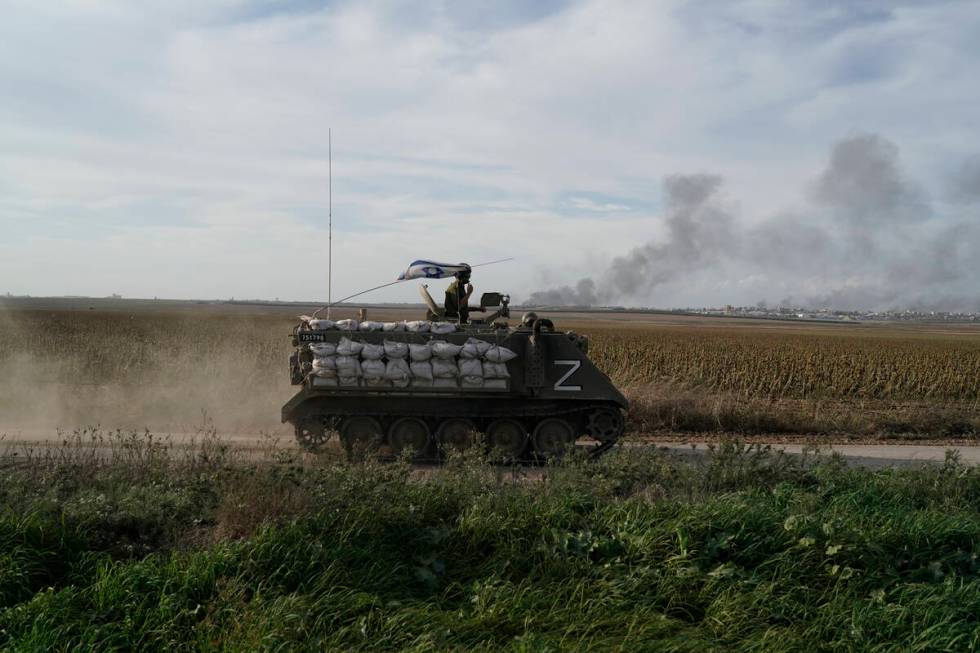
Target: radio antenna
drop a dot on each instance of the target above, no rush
(329, 222)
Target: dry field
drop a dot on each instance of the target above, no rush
(173, 366)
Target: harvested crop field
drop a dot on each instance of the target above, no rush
(174, 367)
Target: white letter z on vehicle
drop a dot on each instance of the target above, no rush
(573, 367)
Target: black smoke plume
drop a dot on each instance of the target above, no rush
(865, 237)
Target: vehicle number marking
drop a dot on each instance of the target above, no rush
(312, 336)
(573, 366)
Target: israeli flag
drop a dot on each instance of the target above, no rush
(431, 270)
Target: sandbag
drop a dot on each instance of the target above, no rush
(470, 367)
(348, 380)
(442, 328)
(370, 326)
(420, 352)
(471, 381)
(445, 350)
(325, 363)
(323, 348)
(495, 384)
(393, 326)
(498, 354)
(322, 325)
(347, 347)
(418, 326)
(397, 370)
(422, 370)
(495, 371)
(418, 382)
(444, 369)
(348, 366)
(323, 373)
(377, 383)
(395, 350)
(321, 382)
(372, 369)
(372, 352)
(474, 348)
(347, 325)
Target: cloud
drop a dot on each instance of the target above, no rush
(965, 182)
(461, 131)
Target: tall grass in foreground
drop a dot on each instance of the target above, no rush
(741, 549)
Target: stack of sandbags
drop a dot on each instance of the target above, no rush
(437, 363)
(444, 367)
(495, 374)
(397, 371)
(421, 364)
(324, 372)
(372, 367)
(348, 361)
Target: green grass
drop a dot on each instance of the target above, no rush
(742, 549)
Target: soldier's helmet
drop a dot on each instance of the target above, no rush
(528, 318)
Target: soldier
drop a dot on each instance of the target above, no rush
(457, 295)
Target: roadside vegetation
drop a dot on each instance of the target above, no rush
(121, 541)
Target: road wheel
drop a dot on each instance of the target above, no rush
(314, 431)
(506, 439)
(361, 436)
(409, 433)
(456, 433)
(552, 437)
(606, 424)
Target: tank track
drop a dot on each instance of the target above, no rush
(579, 415)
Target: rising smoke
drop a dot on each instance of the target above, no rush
(865, 237)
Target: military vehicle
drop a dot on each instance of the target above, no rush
(551, 395)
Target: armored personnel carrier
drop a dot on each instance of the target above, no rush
(524, 392)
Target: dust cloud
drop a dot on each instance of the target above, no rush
(103, 376)
(864, 237)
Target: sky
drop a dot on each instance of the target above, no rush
(664, 154)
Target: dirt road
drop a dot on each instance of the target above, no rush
(14, 443)
(867, 455)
